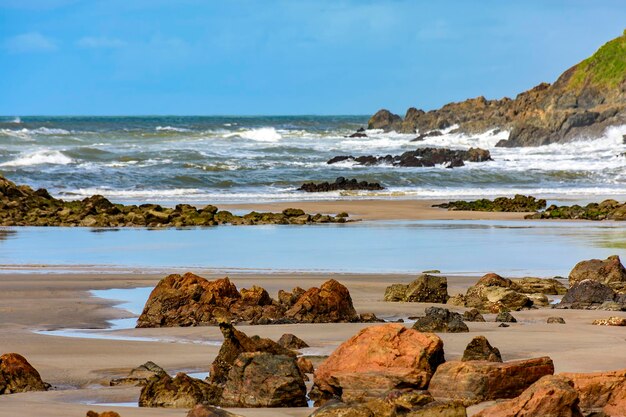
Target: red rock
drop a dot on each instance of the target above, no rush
(377, 360)
(476, 381)
(604, 391)
(551, 396)
(17, 375)
(330, 303)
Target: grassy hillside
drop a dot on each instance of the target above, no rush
(604, 69)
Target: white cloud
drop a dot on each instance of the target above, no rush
(30, 42)
(100, 42)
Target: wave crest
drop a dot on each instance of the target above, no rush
(39, 158)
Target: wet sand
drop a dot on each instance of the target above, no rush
(80, 369)
(379, 209)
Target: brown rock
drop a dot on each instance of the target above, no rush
(305, 365)
(477, 381)
(17, 375)
(261, 379)
(473, 315)
(611, 321)
(140, 375)
(377, 360)
(530, 285)
(425, 289)
(440, 320)
(555, 320)
(103, 414)
(505, 317)
(587, 294)
(609, 272)
(385, 120)
(202, 410)
(291, 341)
(330, 303)
(479, 349)
(493, 293)
(181, 391)
(605, 391)
(236, 343)
(551, 396)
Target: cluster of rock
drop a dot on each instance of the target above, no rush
(495, 294)
(190, 300)
(596, 284)
(421, 157)
(247, 372)
(519, 203)
(606, 210)
(17, 375)
(585, 99)
(440, 320)
(340, 184)
(23, 206)
(424, 289)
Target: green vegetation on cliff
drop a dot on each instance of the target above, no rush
(606, 68)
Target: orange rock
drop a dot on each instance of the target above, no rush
(551, 396)
(377, 360)
(330, 303)
(17, 375)
(611, 321)
(103, 414)
(476, 381)
(601, 391)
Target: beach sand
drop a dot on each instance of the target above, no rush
(80, 368)
(379, 209)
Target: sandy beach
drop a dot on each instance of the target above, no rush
(79, 369)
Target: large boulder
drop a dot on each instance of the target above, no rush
(479, 349)
(473, 382)
(551, 396)
(609, 272)
(425, 289)
(237, 342)
(182, 391)
(377, 360)
(17, 375)
(529, 285)
(330, 303)
(291, 341)
(587, 294)
(493, 293)
(203, 410)
(385, 120)
(601, 391)
(473, 315)
(140, 375)
(440, 320)
(261, 379)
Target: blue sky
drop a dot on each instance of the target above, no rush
(202, 57)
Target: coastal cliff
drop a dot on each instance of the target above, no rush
(581, 103)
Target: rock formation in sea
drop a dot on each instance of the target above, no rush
(340, 184)
(421, 157)
(605, 210)
(190, 300)
(23, 206)
(582, 102)
(519, 203)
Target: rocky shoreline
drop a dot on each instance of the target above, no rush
(585, 100)
(421, 157)
(23, 206)
(340, 184)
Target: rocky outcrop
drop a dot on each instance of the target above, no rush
(340, 184)
(606, 210)
(203, 410)
(530, 285)
(551, 396)
(261, 379)
(182, 391)
(588, 294)
(330, 303)
(583, 101)
(519, 203)
(237, 342)
(479, 349)
(609, 272)
(190, 300)
(505, 317)
(473, 315)
(601, 391)
(140, 375)
(424, 289)
(375, 361)
(611, 321)
(473, 382)
(17, 375)
(385, 120)
(23, 206)
(493, 294)
(440, 320)
(291, 341)
(421, 157)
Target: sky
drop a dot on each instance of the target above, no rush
(272, 57)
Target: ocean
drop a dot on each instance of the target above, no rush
(251, 159)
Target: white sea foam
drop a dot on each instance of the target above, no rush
(17, 120)
(263, 134)
(39, 158)
(172, 129)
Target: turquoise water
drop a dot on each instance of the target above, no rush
(514, 248)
